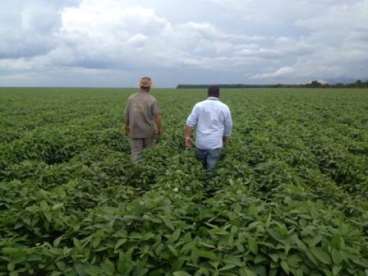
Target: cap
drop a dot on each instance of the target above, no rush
(145, 82)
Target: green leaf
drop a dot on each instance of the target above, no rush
(11, 266)
(285, 267)
(228, 267)
(321, 255)
(57, 241)
(234, 261)
(260, 259)
(360, 261)
(108, 267)
(96, 241)
(57, 206)
(336, 256)
(253, 246)
(246, 272)
(274, 234)
(181, 273)
(44, 206)
(336, 270)
(338, 242)
(294, 261)
(60, 265)
(47, 215)
(125, 264)
(168, 223)
(77, 243)
(207, 254)
(175, 235)
(94, 270)
(119, 243)
(173, 250)
(202, 271)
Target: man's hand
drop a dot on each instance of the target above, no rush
(188, 142)
(159, 131)
(126, 130)
(188, 137)
(225, 140)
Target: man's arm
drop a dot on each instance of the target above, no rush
(125, 128)
(188, 136)
(190, 125)
(157, 117)
(228, 126)
(158, 124)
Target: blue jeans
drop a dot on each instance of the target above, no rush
(209, 158)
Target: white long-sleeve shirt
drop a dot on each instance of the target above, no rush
(212, 120)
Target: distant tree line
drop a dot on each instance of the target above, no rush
(313, 84)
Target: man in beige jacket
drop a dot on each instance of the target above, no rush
(142, 119)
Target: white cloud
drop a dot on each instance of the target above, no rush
(140, 37)
(281, 72)
(27, 28)
(234, 40)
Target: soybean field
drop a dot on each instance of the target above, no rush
(289, 197)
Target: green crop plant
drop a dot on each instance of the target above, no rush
(289, 196)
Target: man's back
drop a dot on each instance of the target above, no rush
(212, 119)
(141, 110)
(142, 119)
(213, 123)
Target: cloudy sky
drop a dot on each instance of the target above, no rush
(114, 42)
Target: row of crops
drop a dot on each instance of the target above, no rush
(289, 197)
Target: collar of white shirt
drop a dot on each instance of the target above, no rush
(213, 99)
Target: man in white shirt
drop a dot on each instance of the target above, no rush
(213, 123)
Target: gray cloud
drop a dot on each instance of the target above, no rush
(28, 28)
(112, 42)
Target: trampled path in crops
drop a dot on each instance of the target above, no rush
(289, 196)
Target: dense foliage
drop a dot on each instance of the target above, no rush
(289, 197)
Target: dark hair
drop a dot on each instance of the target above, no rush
(214, 91)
